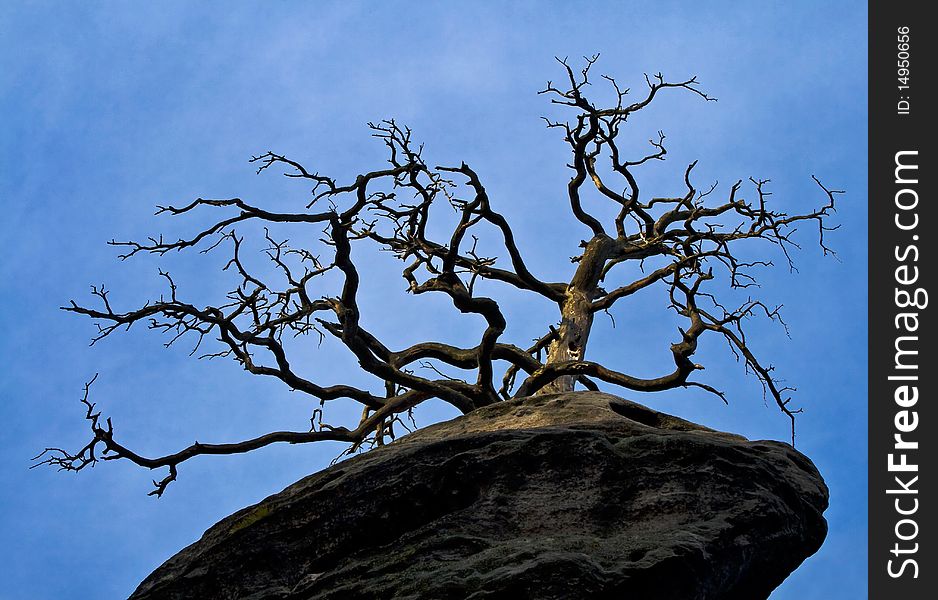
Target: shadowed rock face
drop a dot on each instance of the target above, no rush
(577, 495)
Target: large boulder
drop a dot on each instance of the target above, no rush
(578, 495)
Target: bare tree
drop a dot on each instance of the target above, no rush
(693, 239)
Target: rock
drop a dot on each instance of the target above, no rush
(578, 495)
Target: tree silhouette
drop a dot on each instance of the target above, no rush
(693, 239)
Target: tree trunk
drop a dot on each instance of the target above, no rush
(576, 315)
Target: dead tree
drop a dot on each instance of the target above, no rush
(694, 239)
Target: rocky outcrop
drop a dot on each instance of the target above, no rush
(578, 495)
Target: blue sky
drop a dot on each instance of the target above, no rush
(112, 108)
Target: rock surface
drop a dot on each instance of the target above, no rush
(579, 495)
